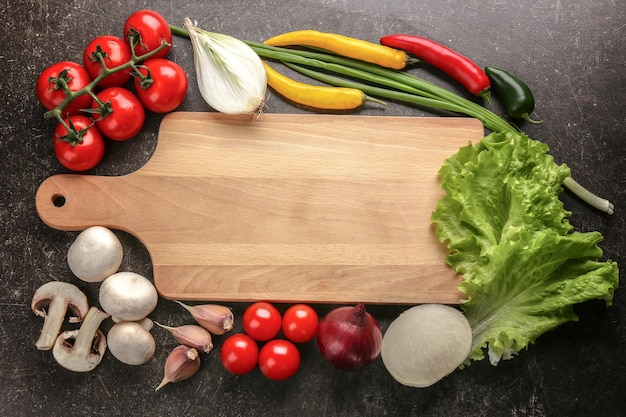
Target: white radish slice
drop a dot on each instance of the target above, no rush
(426, 343)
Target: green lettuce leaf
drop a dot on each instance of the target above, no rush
(508, 234)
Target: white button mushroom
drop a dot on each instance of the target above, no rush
(95, 254)
(128, 296)
(131, 343)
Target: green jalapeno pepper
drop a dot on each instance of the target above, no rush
(516, 96)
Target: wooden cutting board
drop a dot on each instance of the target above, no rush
(285, 208)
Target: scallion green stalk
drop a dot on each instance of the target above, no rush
(400, 86)
(389, 78)
(375, 91)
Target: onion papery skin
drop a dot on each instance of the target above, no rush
(349, 338)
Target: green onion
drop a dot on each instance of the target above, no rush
(389, 78)
(399, 86)
(230, 75)
(588, 197)
(380, 92)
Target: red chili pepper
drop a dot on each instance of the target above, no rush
(457, 66)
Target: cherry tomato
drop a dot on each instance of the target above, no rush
(279, 359)
(300, 323)
(153, 29)
(169, 86)
(115, 53)
(127, 117)
(261, 321)
(50, 96)
(83, 155)
(239, 354)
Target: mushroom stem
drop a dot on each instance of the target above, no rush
(84, 340)
(89, 345)
(53, 320)
(58, 297)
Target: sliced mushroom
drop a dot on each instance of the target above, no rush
(82, 350)
(57, 297)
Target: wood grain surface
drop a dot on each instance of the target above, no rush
(285, 208)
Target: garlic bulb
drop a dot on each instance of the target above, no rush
(231, 76)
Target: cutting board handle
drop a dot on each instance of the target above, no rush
(76, 202)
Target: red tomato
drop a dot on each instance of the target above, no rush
(77, 78)
(261, 321)
(169, 86)
(127, 117)
(279, 359)
(300, 323)
(116, 52)
(153, 29)
(83, 155)
(239, 354)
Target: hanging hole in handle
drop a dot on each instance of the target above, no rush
(58, 200)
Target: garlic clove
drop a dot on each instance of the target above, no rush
(182, 363)
(217, 319)
(191, 335)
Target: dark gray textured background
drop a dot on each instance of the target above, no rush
(570, 52)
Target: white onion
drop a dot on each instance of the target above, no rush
(231, 76)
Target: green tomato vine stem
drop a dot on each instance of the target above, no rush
(61, 82)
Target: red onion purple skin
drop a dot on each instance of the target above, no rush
(349, 338)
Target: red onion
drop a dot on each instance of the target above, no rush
(349, 337)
